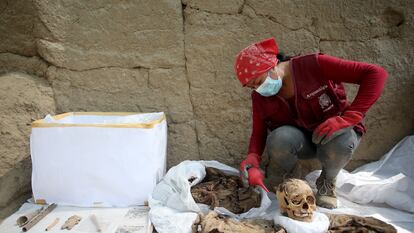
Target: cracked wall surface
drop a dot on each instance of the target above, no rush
(177, 57)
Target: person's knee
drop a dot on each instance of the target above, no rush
(344, 145)
(284, 139)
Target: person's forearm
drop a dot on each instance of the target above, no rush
(369, 77)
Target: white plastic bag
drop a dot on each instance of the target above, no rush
(169, 220)
(98, 159)
(174, 193)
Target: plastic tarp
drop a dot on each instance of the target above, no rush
(98, 159)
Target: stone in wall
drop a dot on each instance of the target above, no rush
(81, 35)
(15, 187)
(170, 86)
(10, 62)
(17, 23)
(182, 143)
(23, 98)
(216, 6)
(105, 89)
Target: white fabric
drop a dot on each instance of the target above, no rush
(98, 166)
(133, 219)
(171, 200)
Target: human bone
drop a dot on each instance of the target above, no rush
(296, 199)
(218, 189)
(71, 222)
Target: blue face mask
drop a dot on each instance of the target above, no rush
(270, 86)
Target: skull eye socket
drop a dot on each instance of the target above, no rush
(310, 199)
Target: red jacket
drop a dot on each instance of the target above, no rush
(319, 95)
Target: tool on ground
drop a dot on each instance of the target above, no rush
(71, 222)
(256, 177)
(36, 218)
(23, 220)
(52, 224)
(96, 222)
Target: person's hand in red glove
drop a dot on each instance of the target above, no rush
(335, 126)
(250, 171)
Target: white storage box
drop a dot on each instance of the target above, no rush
(98, 159)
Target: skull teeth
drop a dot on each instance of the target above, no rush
(301, 214)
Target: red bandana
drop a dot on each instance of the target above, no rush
(256, 60)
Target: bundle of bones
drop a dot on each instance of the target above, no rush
(222, 190)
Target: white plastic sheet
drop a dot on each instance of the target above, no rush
(98, 159)
(173, 209)
(381, 189)
(170, 220)
(389, 180)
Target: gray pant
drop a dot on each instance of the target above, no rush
(286, 144)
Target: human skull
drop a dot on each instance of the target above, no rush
(296, 199)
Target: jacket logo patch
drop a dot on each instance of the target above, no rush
(325, 102)
(313, 93)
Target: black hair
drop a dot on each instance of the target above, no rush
(281, 56)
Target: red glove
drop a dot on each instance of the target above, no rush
(250, 171)
(335, 126)
(256, 177)
(252, 159)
